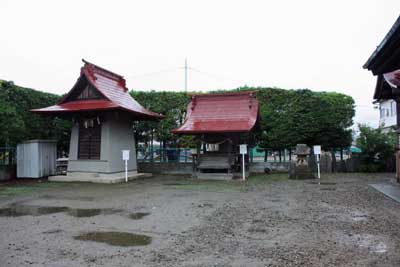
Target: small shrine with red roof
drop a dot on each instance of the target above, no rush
(220, 123)
(102, 112)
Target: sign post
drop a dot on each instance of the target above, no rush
(317, 152)
(243, 151)
(125, 157)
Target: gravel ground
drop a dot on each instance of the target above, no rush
(267, 221)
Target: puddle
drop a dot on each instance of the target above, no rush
(57, 197)
(377, 247)
(257, 230)
(275, 200)
(116, 238)
(327, 183)
(91, 212)
(328, 189)
(138, 215)
(380, 248)
(323, 183)
(174, 184)
(205, 205)
(372, 243)
(16, 211)
(56, 231)
(25, 210)
(358, 216)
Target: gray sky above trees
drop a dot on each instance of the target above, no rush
(320, 45)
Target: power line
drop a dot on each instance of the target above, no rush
(154, 72)
(186, 69)
(212, 75)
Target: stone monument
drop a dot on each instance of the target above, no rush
(299, 168)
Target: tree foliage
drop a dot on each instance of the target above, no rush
(288, 117)
(17, 123)
(376, 146)
(171, 104)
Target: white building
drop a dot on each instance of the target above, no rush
(387, 114)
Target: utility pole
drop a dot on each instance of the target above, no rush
(186, 69)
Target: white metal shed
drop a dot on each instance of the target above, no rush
(36, 158)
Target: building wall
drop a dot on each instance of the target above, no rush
(36, 158)
(120, 137)
(387, 113)
(116, 135)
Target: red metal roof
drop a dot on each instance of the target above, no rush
(110, 85)
(219, 113)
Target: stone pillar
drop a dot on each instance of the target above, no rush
(299, 169)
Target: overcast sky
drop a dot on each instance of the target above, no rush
(320, 45)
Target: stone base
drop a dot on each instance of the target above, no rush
(300, 172)
(103, 178)
(214, 176)
(220, 176)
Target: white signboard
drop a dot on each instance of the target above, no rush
(317, 150)
(125, 157)
(125, 154)
(317, 153)
(243, 149)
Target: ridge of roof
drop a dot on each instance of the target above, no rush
(93, 68)
(224, 94)
(87, 63)
(109, 84)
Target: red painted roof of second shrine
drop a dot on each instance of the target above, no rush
(113, 91)
(220, 113)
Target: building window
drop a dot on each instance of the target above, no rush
(393, 108)
(89, 140)
(382, 112)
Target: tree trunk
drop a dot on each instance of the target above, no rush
(265, 155)
(280, 155)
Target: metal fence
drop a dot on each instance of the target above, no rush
(7, 156)
(185, 155)
(258, 155)
(164, 155)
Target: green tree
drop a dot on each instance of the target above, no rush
(171, 104)
(18, 123)
(290, 117)
(376, 146)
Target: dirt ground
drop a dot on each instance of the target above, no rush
(267, 221)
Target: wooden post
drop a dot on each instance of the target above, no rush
(398, 139)
(198, 148)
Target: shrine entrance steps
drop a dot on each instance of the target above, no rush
(214, 166)
(214, 176)
(101, 178)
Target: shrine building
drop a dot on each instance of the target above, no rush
(103, 113)
(220, 123)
